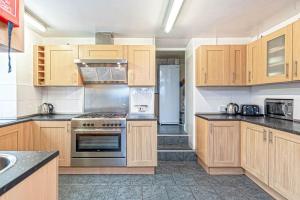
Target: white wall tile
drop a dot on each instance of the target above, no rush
(8, 109)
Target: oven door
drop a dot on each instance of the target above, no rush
(102, 142)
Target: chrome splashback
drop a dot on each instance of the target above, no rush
(106, 98)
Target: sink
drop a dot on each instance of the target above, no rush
(6, 161)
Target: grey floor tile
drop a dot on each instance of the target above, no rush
(75, 192)
(179, 193)
(230, 192)
(184, 179)
(154, 192)
(102, 192)
(122, 180)
(142, 180)
(163, 179)
(130, 193)
(204, 193)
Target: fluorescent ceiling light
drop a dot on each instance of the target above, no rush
(34, 23)
(172, 15)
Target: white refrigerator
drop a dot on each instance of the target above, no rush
(169, 87)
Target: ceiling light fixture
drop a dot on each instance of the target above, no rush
(34, 23)
(172, 14)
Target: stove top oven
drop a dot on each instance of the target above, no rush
(98, 142)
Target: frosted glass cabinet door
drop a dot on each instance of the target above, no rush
(277, 55)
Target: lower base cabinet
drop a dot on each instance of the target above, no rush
(41, 185)
(272, 157)
(218, 146)
(54, 135)
(141, 143)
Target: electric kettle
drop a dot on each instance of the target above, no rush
(47, 108)
(232, 109)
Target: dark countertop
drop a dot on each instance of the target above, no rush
(53, 117)
(27, 163)
(279, 124)
(141, 117)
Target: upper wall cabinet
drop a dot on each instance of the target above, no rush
(17, 41)
(277, 57)
(54, 65)
(103, 51)
(296, 50)
(141, 65)
(254, 72)
(220, 65)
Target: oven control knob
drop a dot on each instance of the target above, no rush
(111, 125)
(92, 124)
(103, 124)
(88, 124)
(120, 124)
(84, 124)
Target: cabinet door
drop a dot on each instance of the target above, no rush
(60, 69)
(54, 135)
(25, 140)
(224, 144)
(142, 143)
(296, 50)
(254, 150)
(102, 51)
(277, 55)
(9, 138)
(254, 72)
(285, 164)
(141, 65)
(237, 74)
(214, 65)
(202, 140)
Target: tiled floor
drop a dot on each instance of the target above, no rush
(171, 130)
(172, 181)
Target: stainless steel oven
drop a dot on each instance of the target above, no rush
(98, 142)
(279, 108)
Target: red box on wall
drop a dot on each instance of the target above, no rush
(9, 11)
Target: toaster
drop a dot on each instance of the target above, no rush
(250, 110)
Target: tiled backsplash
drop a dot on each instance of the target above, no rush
(142, 100)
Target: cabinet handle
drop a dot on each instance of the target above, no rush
(296, 68)
(265, 135)
(287, 70)
(205, 77)
(233, 77)
(270, 137)
(249, 76)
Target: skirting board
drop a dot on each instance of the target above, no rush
(107, 170)
(221, 170)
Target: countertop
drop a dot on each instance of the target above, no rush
(140, 117)
(279, 124)
(53, 117)
(27, 163)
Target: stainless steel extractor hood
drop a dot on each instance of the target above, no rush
(103, 71)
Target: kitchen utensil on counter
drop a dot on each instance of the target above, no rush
(250, 110)
(232, 109)
(47, 108)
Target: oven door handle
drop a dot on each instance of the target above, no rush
(100, 130)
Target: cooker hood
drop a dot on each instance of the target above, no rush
(102, 71)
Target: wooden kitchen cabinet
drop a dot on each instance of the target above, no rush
(141, 65)
(237, 72)
(54, 65)
(9, 137)
(254, 71)
(25, 139)
(277, 56)
(255, 150)
(41, 185)
(102, 51)
(296, 50)
(212, 65)
(17, 41)
(284, 164)
(218, 146)
(142, 143)
(52, 136)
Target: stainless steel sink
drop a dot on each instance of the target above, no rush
(6, 161)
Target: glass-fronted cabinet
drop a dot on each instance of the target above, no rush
(277, 55)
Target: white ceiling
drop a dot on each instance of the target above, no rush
(140, 18)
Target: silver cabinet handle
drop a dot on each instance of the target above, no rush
(205, 77)
(233, 77)
(249, 76)
(270, 137)
(287, 70)
(265, 135)
(296, 68)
